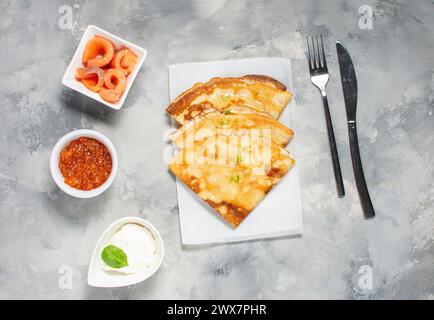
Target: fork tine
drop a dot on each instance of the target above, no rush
(318, 53)
(323, 53)
(309, 55)
(313, 53)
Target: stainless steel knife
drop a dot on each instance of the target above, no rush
(349, 87)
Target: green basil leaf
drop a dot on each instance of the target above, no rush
(114, 257)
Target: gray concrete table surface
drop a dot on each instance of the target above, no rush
(45, 234)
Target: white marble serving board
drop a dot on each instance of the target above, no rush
(280, 213)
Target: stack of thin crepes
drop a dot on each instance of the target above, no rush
(231, 147)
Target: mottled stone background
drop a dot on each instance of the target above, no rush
(42, 229)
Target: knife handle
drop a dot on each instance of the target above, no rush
(333, 149)
(365, 199)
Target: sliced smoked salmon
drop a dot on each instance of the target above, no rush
(105, 71)
(115, 84)
(109, 95)
(115, 79)
(125, 60)
(91, 77)
(98, 52)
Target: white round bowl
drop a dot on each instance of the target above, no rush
(98, 277)
(57, 175)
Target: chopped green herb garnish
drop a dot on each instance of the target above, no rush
(229, 112)
(226, 97)
(235, 178)
(224, 122)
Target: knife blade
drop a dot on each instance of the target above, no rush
(349, 81)
(349, 88)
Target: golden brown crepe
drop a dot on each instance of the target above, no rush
(200, 128)
(232, 173)
(250, 94)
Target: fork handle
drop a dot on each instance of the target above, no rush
(365, 199)
(333, 149)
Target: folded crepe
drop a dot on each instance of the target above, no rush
(250, 94)
(212, 124)
(232, 173)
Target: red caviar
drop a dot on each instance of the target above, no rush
(85, 163)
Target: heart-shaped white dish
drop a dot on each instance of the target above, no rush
(98, 277)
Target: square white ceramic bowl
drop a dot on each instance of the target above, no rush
(71, 82)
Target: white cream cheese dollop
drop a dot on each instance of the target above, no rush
(139, 245)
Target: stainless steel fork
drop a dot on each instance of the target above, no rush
(319, 76)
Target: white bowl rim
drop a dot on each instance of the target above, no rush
(57, 175)
(118, 224)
